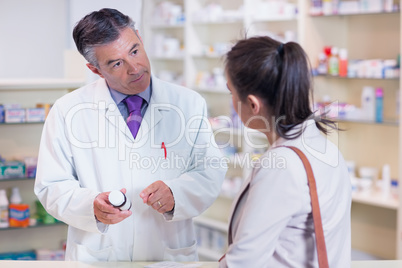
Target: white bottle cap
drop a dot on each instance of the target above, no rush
(116, 198)
(15, 196)
(119, 200)
(343, 54)
(334, 51)
(3, 198)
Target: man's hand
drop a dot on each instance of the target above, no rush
(107, 213)
(159, 196)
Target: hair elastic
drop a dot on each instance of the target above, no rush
(280, 49)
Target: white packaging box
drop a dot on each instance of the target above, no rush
(14, 115)
(374, 68)
(50, 255)
(8, 106)
(35, 114)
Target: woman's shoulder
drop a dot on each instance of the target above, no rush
(278, 162)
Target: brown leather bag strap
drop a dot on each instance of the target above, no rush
(315, 206)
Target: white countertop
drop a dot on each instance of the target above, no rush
(63, 264)
(73, 264)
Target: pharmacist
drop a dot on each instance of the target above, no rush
(167, 168)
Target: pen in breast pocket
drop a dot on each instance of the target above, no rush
(164, 148)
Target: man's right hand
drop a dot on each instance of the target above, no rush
(106, 213)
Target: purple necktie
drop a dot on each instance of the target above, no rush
(133, 104)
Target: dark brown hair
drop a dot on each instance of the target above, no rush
(280, 75)
(99, 28)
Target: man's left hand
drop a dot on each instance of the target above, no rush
(159, 196)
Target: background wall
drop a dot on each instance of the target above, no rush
(35, 34)
(33, 37)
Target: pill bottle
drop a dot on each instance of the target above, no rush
(322, 67)
(15, 196)
(343, 63)
(379, 105)
(3, 209)
(333, 62)
(119, 200)
(368, 103)
(18, 213)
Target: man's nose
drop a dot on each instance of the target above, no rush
(132, 67)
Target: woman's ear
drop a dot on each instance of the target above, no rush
(254, 103)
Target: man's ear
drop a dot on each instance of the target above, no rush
(254, 104)
(94, 70)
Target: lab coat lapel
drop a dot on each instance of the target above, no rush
(159, 102)
(109, 109)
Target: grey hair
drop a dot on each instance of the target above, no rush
(100, 28)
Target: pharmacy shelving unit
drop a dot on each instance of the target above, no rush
(18, 140)
(165, 42)
(376, 220)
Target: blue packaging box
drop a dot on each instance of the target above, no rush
(2, 113)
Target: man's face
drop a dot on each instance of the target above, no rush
(124, 64)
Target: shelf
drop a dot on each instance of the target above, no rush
(39, 225)
(375, 198)
(171, 58)
(23, 123)
(384, 123)
(220, 90)
(209, 254)
(214, 224)
(220, 22)
(35, 84)
(208, 56)
(239, 132)
(356, 14)
(17, 179)
(277, 19)
(355, 78)
(168, 26)
(254, 133)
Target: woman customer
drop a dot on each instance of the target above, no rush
(271, 224)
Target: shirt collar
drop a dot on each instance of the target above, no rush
(309, 129)
(119, 97)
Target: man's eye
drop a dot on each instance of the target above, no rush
(117, 64)
(135, 52)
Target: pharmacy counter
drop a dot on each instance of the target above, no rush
(62, 264)
(67, 264)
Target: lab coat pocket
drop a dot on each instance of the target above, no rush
(182, 254)
(83, 253)
(174, 164)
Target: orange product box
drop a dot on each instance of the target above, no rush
(19, 215)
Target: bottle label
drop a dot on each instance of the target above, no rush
(3, 215)
(19, 215)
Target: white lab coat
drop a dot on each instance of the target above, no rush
(272, 225)
(87, 148)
